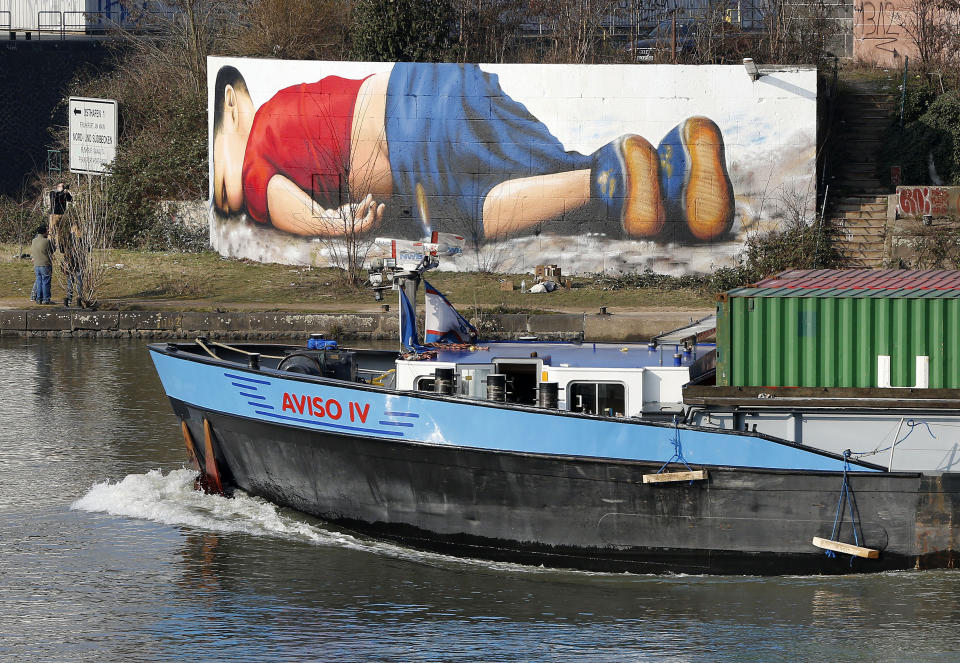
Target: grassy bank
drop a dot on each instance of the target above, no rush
(140, 280)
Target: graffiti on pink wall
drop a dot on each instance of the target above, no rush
(878, 31)
(932, 200)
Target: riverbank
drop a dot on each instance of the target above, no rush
(174, 295)
(381, 325)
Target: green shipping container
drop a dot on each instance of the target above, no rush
(832, 337)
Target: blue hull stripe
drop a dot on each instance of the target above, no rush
(313, 422)
(470, 424)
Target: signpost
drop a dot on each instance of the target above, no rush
(93, 134)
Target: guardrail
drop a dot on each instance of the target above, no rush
(60, 24)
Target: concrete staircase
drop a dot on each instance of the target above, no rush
(857, 203)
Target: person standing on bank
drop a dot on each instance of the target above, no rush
(70, 243)
(59, 198)
(41, 250)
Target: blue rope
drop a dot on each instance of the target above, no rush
(910, 424)
(677, 450)
(846, 493)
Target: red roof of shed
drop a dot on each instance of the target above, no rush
(865, 279)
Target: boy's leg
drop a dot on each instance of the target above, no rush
(523, 202)
(696, 185)
(626, 177)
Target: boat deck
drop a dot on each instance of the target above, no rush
(579, 355)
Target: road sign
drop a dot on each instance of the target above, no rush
(93, 134)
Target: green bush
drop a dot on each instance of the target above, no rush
(935, 132)
(17, 221)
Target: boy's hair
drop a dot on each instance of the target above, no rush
(226, 76)
(41, 230)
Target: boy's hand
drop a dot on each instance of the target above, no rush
(368, 214)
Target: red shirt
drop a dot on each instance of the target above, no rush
(303, 133)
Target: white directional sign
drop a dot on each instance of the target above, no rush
(93, 134)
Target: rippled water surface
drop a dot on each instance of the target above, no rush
(107, 554)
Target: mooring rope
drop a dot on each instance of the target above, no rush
(846, 494)
(910, 424)
(677, 449)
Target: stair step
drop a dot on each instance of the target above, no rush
(853, 206)
(870, 208)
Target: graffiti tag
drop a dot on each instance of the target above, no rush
(878, 22)
(918, 200)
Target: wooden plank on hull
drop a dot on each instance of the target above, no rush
(845, 548)
(668, 477)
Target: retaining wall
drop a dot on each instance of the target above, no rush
(373, 326)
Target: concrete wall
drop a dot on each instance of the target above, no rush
(880, 31)
(928, 200)
(171, 324)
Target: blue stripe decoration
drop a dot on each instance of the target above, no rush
(395, 423)
(257, 396)
(329, 425)
(401, 414)
(241, 377)
(263, 405)
(243, 386)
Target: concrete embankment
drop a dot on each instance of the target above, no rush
(614, 327)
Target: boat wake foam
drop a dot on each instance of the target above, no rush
(170, 499)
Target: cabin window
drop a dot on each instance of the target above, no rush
(605, 398)
(424, 383)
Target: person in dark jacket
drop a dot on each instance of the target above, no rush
(41, 250)
(59, 198)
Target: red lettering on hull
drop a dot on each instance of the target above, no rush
(324, 409)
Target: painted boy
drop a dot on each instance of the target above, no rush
(447, 136)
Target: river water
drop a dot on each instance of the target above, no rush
(107, 554)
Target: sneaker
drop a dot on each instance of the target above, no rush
(46, 302)
(694, 177)
(625, 176)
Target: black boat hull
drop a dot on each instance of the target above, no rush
(583, 513)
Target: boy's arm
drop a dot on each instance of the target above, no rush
(293, 211)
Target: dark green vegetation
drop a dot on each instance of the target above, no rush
(930, 132)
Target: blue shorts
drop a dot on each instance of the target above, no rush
(453, 133)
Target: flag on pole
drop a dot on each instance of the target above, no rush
(408, 324)
(443, 324)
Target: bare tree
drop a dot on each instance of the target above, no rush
(21, 213)
(932, 27)
(292, 29)
(800, 31)
(83, 237)
(488, 30)
(181, 35)
(576, 25)
(343, 221)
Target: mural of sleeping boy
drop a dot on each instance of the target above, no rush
(415, 147)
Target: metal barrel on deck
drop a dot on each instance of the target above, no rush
(443, 381)
(547, 395)
(497, 387)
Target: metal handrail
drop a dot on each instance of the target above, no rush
(41, 28)
(104, 21)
